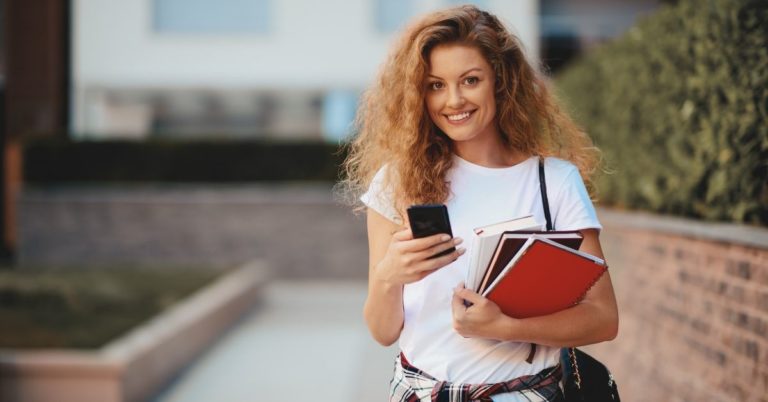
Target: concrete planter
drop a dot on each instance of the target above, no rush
(133, 367)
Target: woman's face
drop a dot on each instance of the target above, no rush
(460, 93)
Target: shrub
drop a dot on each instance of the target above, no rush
(679, 105)
(54, 161)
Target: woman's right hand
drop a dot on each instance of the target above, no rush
(407, 260)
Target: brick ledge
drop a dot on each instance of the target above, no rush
(751, 236)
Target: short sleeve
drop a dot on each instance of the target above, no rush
(380, 197)
(574, 207)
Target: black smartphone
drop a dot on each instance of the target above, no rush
(429, 219)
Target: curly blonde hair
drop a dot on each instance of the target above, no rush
(394, 129)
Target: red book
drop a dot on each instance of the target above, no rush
(543, 278)
(511, 242)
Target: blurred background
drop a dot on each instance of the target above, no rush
(151, 149)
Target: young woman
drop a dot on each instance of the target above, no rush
(458, 116)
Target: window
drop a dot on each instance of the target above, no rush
(391, 15)
(211, 16)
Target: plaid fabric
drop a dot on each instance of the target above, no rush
(410, 384)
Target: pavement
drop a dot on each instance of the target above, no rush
(306, 342)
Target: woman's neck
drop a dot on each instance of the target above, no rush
(492, 154)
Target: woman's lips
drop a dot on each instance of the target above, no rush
(458, 118)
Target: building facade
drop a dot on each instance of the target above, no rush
(239, 68)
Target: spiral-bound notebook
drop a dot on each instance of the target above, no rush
(544, 277)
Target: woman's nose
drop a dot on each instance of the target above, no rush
(455, 98)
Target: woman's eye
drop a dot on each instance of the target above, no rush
(470, 80)
(435, 85)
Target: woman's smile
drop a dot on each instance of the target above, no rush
(459, 118)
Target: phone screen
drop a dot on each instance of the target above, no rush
(429, 219)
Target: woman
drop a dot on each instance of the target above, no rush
(458, 116)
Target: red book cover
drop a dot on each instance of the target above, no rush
(511, 242)
(544, 278)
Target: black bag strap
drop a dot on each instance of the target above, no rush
(548, 217)
(544, 199)
(574, 365)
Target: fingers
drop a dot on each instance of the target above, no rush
(468, 295)
(432, 264)
(416, 257)
(457, 306)
(439, 248)
(424, 243)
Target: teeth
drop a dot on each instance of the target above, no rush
(457, 117)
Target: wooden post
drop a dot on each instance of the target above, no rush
(36, 47)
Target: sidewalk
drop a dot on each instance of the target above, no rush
(306, 342)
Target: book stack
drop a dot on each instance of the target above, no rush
(529, 272)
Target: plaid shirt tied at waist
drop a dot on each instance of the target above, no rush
(410, 384)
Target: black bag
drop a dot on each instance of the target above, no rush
(584, 378)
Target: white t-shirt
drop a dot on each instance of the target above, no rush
(481, 196)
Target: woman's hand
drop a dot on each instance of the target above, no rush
(483, 319)
(407, 260)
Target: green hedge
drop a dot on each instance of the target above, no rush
(679, 105)
(179, 161)
(86, 308)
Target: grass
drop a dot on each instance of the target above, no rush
(83, 309)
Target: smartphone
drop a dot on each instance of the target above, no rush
(429, 219)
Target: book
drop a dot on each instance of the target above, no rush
(484, 243)
(511, 242)
(544, 277)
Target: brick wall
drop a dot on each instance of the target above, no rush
(693, 309)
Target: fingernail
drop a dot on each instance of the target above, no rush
(458, 240)
(445, 238)
(462, 250)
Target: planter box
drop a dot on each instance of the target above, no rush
(133, 367)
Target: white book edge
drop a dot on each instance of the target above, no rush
(525, 247)
(484, 245)
(473, 256)
(499, 227)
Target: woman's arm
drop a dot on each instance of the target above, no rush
(593, 320)
(396, 258)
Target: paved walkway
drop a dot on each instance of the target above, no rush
(307, 342)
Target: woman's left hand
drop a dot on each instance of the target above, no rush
(483, 319)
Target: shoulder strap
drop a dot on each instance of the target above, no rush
(544, 199)
(548, 217)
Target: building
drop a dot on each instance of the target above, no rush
(238, 68)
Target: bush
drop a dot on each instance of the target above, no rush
(679, 107)
(52, 161)
(86, 308)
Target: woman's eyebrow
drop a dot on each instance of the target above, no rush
(462, 74)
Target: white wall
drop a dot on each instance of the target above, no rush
(317, 45)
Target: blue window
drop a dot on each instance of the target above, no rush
(211, 16)
(391, 15)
